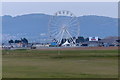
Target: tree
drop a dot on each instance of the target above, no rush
(118, 41)
(87, 39)
(24, 40)
(10, 41)
(80, 39)
(99, 39)
(17, 41)
(74, 37)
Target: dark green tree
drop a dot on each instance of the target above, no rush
(99, 39)
(87, 39)
(17, 41)
(24, 40)
(10, 41)
(80, 39)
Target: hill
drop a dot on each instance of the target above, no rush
(36, 26)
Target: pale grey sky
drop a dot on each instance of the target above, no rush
(109, 9)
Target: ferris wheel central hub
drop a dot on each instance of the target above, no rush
(64, 28)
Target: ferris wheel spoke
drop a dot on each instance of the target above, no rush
(74, 34)
(73, 30)
(72, 18)
(73, 25)
(74, 21)
(55, 25)
(54, 21)
(54, 33)
(70, 22)
(59, 34)
(52, 24)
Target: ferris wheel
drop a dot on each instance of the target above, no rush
(64, 25)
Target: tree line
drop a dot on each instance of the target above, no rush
(22, 40)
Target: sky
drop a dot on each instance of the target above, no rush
(109, 9)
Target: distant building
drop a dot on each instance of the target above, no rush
(110, 41)
(91, 44)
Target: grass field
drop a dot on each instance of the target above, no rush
(67, 64)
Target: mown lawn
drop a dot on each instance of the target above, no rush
(67, 64)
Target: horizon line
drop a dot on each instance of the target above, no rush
(52, 15)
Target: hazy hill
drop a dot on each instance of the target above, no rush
(37, 25)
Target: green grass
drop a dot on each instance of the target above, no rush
(67, 64)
